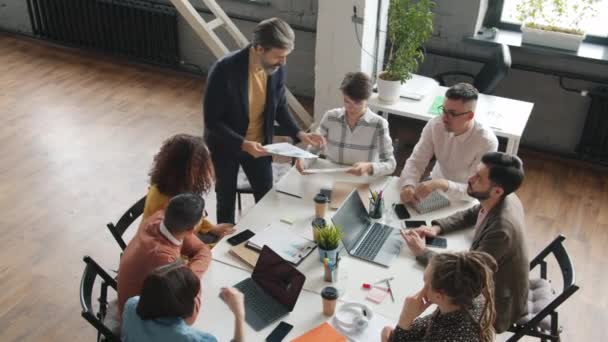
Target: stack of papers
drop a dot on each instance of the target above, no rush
(332, 170)
(289, 150)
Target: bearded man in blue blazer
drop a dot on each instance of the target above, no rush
(244, 96)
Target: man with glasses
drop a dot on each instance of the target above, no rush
(499, 224)
(457, 141)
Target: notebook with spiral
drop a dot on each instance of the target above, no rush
(434, 201)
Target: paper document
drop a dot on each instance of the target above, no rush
(332, 170)
(288, 150)
(436, 106)
(289, 245)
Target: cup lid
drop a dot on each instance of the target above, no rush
(329, 292)
(321, 198)
(319, 222)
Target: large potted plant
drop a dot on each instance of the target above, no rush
(410, 24)
(554, 23)
(328, 241)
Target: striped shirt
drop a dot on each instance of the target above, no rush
(368, 141)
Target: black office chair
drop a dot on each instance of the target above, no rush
(125, 221)
(96, 319)
(542, 318)
(489, 76)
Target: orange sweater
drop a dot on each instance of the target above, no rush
(150, 249)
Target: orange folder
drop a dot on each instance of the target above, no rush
(323, 332)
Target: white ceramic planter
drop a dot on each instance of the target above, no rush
(557, 40)
(388, 91)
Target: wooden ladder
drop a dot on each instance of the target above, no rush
(205, 31)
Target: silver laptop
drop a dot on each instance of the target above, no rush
(364, 238)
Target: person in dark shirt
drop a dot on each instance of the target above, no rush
(462, 287)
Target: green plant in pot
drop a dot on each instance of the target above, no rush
(555, 23)
(329, 241)
(410, 24)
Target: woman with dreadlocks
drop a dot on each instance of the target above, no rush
(462, 287)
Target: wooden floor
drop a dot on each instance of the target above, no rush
(77, 138)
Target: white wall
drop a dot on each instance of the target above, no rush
(338, 50)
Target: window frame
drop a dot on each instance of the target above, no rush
(493, 19)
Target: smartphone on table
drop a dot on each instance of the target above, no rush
(401, 211)
(279, 333)
(414, 223)
(241, 237)
(436, 241)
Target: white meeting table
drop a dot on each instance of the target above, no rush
(352, 272)
(506, 117)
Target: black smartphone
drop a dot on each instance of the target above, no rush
(279, 333)
(241, 237)
(414, 223)
(437, 242)
(327, 193)
(401, 212)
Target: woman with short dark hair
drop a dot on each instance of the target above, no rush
(166, 300)
(462, 287)
(355, 135)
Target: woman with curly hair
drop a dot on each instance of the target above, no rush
(182, 165)
(462, 287)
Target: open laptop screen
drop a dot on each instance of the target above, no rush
(352, 218)
(278, 278)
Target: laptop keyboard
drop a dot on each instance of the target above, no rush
(259, 302)
(372, 243)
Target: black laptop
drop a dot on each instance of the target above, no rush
(272, 291)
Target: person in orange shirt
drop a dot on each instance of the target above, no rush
(162, 239)
(183, 164)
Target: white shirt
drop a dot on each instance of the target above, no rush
(368, 141)
(166, 233)
(457, 156)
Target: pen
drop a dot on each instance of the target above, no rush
(288, 194)
(384, 280)
(390, 290)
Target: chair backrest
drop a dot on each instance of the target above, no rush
(125, 221)
(91, 271)
(556, 248)
(494, 70)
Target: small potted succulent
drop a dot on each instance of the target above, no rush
(329, 241)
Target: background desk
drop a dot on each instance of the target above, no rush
(506, 117)
(353, 272)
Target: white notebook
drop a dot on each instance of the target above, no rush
(289, 245)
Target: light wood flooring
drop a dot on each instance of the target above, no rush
(77, 137)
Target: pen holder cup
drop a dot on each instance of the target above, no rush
(331, 276)
(376, 208)
(329, 254)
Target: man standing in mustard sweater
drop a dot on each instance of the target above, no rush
(244, 96)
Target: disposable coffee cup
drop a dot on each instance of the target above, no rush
(330, 297)
(320, 205)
